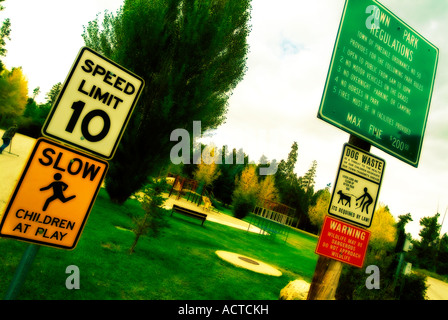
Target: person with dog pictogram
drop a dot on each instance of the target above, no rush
(365, 202)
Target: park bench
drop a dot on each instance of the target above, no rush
(189, 212)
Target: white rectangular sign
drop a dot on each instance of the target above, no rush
(357, 186)
(94, 105)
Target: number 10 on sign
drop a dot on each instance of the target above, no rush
(77, 107)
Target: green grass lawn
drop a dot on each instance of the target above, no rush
(180, 264)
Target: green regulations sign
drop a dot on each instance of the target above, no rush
(380, 80)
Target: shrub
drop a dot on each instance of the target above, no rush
(245, 194)
(242, 206)
(414, 287)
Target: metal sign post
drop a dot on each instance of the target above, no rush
(22, 271)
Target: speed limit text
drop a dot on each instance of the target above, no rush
(108, 77)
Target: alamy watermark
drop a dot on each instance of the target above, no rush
(373, 281)
(373, 21)
(73, 280)
(180, 152)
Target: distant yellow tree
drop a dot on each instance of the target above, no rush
(267, 189)
(317, 212)
(19, 84)
(246, 192)
(383, 229)
(247, 184)
(207, 170)
(207, 173)
(13, 93)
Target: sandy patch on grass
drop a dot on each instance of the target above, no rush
(242, 261)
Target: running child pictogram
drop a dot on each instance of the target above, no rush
(58, 191)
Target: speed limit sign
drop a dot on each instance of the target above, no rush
(94, 105)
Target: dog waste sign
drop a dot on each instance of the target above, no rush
(357, 186)
(53, 197)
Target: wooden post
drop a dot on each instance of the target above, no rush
(325, 279)
(328, 271)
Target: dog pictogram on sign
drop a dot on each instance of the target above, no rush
(54, 195)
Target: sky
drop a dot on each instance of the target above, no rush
(291, 44)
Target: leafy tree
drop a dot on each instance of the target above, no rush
(246, 191)
(153, 220)
(35, 114)
(383, 229)
(308, 180)
(267, 189)
(426, 249)
(291, 192)
(442, 256)
(225, 184)
(285, 171)
(53, 93)
(34, 118)
(207, 170)
(207, 173)
(5, 31)
(36, 92)
(430, 231)
(285, 178)
(191, 54)
(247, 183)
(13, 95)
(318, 211)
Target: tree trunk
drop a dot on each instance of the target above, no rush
(137, 236)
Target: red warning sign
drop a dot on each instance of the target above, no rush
(343, 242)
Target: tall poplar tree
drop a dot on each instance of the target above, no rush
(5, 31)
(191, 54)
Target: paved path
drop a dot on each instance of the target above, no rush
(11, 165)
(437, 290)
